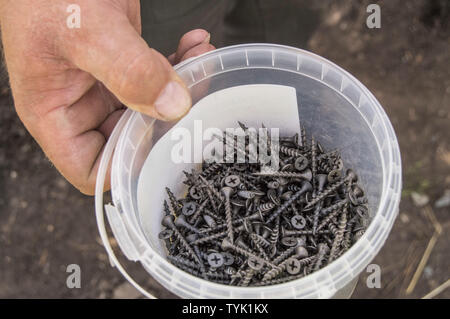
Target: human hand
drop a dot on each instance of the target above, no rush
(70, 85)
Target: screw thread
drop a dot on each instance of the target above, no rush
(274, 236)
(283, 207)
(259, 240)
(247, 278)
(214, 191)
(339, 236)
(325, 193)
(328, 219)
(248, 254)
(316, 217)
(334, 207)
(313, 163)
(259, 247)
(188, 247)
(199, 210)
(290, 151)
(303, 136)
(174, 205)
(229, 218)
(284, 255)
(305, 232)
(332, 228)
(266, 207)
(275, 272)
(323, 250)
(284, 174)
(211, 169)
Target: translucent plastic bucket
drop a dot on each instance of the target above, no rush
(333, 106)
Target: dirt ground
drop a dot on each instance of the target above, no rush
(45, 224)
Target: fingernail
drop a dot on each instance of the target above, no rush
(207, 39)
(173, 102)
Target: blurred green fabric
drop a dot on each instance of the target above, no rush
(228, 21)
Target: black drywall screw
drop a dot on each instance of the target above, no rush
(182, 222)
(226, 191)
(339, 236)
(168, 222)
(305, 175)
(334, 176)
(305, 188)
(313, 162)
(328, 219)
(302, 232)
(325, 193)
(232, 181)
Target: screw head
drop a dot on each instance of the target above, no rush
(307, 174)
(168, 221)
(165, 234)
(232, 181)
(189, 208)
(306, 187)
(228, 259)
(334, 176)
(257, 227)
(298, 222)
(301, 163)
(195, 193)
(226, 244)
(321, 181)
(273, 185)
(254, 263)
(289, 241)
(215, 260)
(227, 191)
(266, 232)
(301, 252)
(293, 266)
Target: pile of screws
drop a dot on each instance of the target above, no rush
(242, 225)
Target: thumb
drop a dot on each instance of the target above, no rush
(140, 77)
